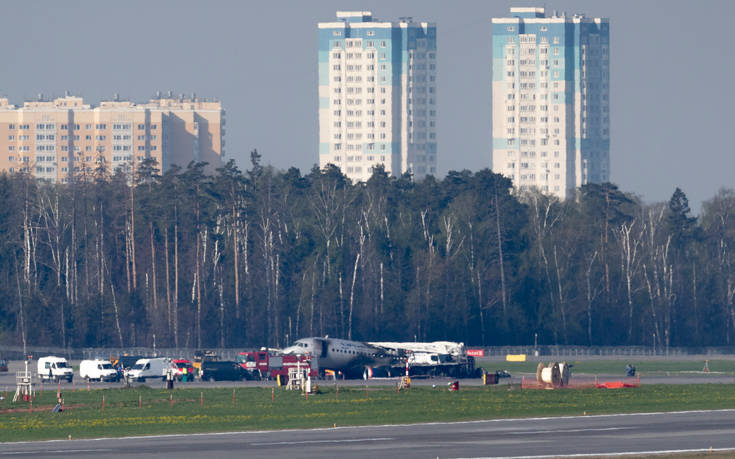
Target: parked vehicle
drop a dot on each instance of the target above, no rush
(203, 356)
(221, 371)
(52, 368)
(97, 370)
(264, 365)
(184, 367)
(149, 369)
(3, 365)
(125, 361)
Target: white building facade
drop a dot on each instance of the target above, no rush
(377, 95)
(551, 100)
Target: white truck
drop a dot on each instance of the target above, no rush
(97, 370)
(149, 368)
(53, 368)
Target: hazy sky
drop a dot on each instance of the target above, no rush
(672, 63)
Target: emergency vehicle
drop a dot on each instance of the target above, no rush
(264, 365)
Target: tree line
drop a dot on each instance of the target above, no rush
(264, 257)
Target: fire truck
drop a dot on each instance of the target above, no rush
(264, 365)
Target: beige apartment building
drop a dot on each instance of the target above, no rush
(64, 138)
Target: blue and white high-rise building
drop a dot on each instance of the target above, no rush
(377, 95)
(551, 100)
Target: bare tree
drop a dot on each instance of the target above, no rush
(629, 244)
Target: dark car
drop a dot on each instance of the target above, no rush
(3, 365)
(223, 371)
(127, 361)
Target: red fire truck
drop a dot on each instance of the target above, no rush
(264, 365)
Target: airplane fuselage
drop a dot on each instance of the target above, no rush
(338, 354)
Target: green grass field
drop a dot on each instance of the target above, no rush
(253, 408)
(617, 367)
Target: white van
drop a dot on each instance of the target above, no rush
(97, 370)
(53, 369)
(149, 368)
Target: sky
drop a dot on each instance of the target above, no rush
(672, 67)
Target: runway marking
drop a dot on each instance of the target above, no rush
(600, 429)
(348, 440)
(630, 453)
(57, 451)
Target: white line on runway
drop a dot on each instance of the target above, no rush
(629, 453)
(348, 440)
(58, 451)
(601, 429)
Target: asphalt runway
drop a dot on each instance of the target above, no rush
(635, 434)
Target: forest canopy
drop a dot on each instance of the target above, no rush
(262, 257)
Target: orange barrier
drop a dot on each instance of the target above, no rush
(583, 383)
(617, 385)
